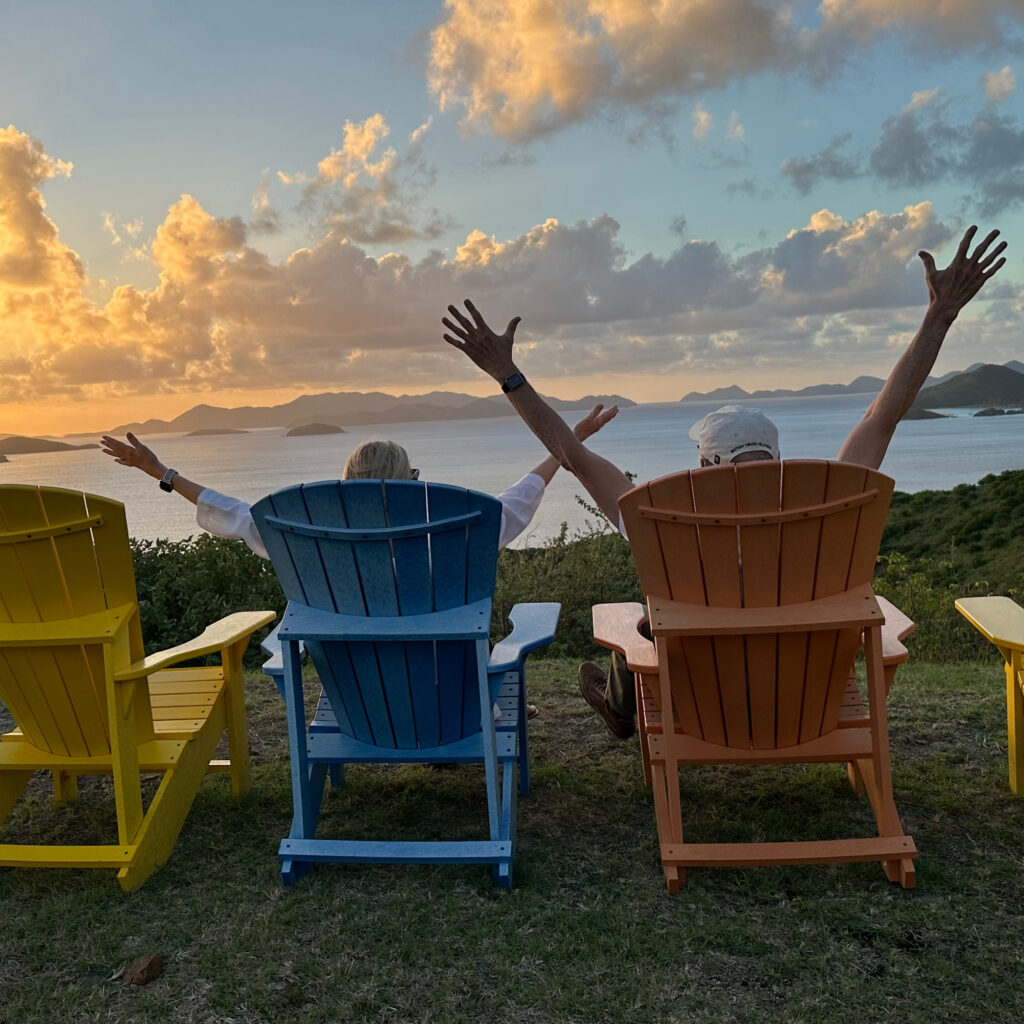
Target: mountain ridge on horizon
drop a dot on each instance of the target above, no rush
(344, 408)
(863, 385)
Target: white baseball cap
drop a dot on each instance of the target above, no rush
(733, 430)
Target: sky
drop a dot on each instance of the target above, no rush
(235, 203)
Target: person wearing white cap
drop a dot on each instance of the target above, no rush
(731, 434)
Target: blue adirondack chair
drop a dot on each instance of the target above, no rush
(389, 587)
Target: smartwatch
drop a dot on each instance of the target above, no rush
(167, 480)
(513, 382)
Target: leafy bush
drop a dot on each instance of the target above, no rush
(185, 585)
(938, 546)
(926, 591)
(579, 571)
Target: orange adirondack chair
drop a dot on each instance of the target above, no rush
(758, 586)
(85, 699)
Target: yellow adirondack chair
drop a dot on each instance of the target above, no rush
(758, 586)
(1001, 620)
(85, 699)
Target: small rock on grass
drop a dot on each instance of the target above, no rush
(144, 969)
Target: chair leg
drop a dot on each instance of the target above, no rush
(65, 787)
(645, 744)
(168, 810)
(668, 816)
(1015, 721)
(855, 777)
(234, 708)
(12, 785)
(524, 743)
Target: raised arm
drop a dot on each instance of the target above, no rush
(949, 291)
(136, 454)
(605, 482)
(584, 428)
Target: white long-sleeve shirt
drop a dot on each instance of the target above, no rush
(229, 517)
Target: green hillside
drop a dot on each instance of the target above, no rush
(973, 534)
(985, 385)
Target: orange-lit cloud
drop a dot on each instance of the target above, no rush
(523, 69)
(520, 70)
(224, 316)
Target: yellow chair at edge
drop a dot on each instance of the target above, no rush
(85, 699)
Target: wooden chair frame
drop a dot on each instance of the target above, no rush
(744, 621)
(84, 697)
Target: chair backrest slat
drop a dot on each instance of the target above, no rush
(73, 559)
(759, 534)
(389, 548)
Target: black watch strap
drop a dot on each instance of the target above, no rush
(513, 382)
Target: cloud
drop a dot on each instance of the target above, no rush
(369, 192)
(828, 163)
(735, 130)
(223, 315)
(522, 70)
(999, 85)
(959, 24)
(923, 145)
(701, 122)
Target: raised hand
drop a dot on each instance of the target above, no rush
(135, 453)
(491, 352)
(594, 421)
(951, 289)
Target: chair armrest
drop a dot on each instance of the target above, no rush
(214, 638)
(617, 626)
(896, 627)
(533, 626)
(999, 619)
(272, 645)
(97, 628)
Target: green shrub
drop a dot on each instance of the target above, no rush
(926, 590)
(186, 585)
(577, 571)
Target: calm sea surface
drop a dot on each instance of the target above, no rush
(491, 454)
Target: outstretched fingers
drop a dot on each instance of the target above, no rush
(965, 242)
(983, 245)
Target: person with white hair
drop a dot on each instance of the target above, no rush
(224, 516)
(731, 434)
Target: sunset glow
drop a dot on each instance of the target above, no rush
(237, 204)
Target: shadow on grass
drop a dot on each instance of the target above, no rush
(589, 933)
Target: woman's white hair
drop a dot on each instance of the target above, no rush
(377, 460)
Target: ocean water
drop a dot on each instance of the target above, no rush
(491, 454)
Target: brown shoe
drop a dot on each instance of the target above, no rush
(594, 687)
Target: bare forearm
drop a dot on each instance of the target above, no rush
(869, 440)
(183, 486)
(546, 470)
(605, 482)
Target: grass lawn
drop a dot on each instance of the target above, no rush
(589, 933)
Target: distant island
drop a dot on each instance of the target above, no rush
(347, 408)
(981, 384)
(985, 385)
(860, 386)
(309, 429)
(16, 444)
(998, 412)
(213, 431)
(913, 413)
